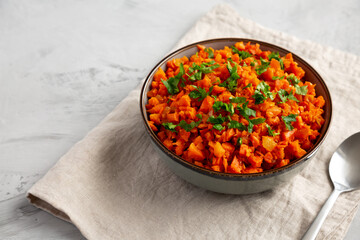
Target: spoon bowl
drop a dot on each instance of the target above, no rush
(344, 166)
(344, 169)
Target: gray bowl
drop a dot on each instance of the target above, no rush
(231, 183)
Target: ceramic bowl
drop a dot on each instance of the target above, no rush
(231, 183)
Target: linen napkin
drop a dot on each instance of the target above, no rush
(113, 185)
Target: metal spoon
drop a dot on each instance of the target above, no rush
(344, 172)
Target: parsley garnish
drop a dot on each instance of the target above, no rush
(204, 68)
(210, 52)
(242, 54)
(216, 120)
(284, 96)
(301, 90)
(247, 86)
(239, 141)
(277, 77)
(288, 120)
(292, 79)
(231, 82)
(276, 56)
(262, 92)
(253, 122)
(188, 126)
(271, 132)
(236, 124)
(170, 126)
(199, 93)
(172, 83)
(263, 67)
(218, 127)
(199, 116)
(237, 99)
(245, 111)
(224, 106)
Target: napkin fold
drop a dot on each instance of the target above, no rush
(113, 185)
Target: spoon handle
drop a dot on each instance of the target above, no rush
(313, 230)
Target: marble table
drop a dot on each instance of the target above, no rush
(64, 65)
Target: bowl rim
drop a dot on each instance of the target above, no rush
(234, 176)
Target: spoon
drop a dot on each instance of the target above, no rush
(344, 172)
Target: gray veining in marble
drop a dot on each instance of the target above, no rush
(64, 65)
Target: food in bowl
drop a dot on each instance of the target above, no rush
(235, 110)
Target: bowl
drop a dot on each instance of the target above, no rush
(231, 183)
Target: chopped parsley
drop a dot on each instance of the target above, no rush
(204, 68)
(271, 132)
(199, 93)
(242, 54)
(172, 83)
(217, 121)
(277, 77)
(284, 96)
(218, 105)
(237, 99)
(239, 141)
(247, 86)
(210, 52)
(263, 67)
(276, 56)
(236, 124)
(170, 126)
(262, 92)
(188, 126)
(301, 90)
(253, 122)
(288, 120)
(231, 82)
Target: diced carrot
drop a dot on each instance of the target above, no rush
(195, 153)
(219, 151)
(268, 143)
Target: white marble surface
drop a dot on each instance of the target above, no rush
(64, 65)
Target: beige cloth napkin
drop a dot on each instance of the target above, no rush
(112, 184)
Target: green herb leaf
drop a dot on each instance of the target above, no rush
(253, 122)
(292, 79)
(245, 111)
(199, 93)
(224, 106)
(237, 99)
(239, 141)
(210, 52)
(247, 86)
(301, 90)
(188, 126)
(218, 127)
(265, 89)
(172, 83)
(271, 132)
(236, 124)
(276, 56)
(216, 120)
(231, 82)
(288, 120)
(199, 116)
(277, 77)
(284, 96)
(263, 67)
(170, 126)
(242, 54)
(204, 68)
